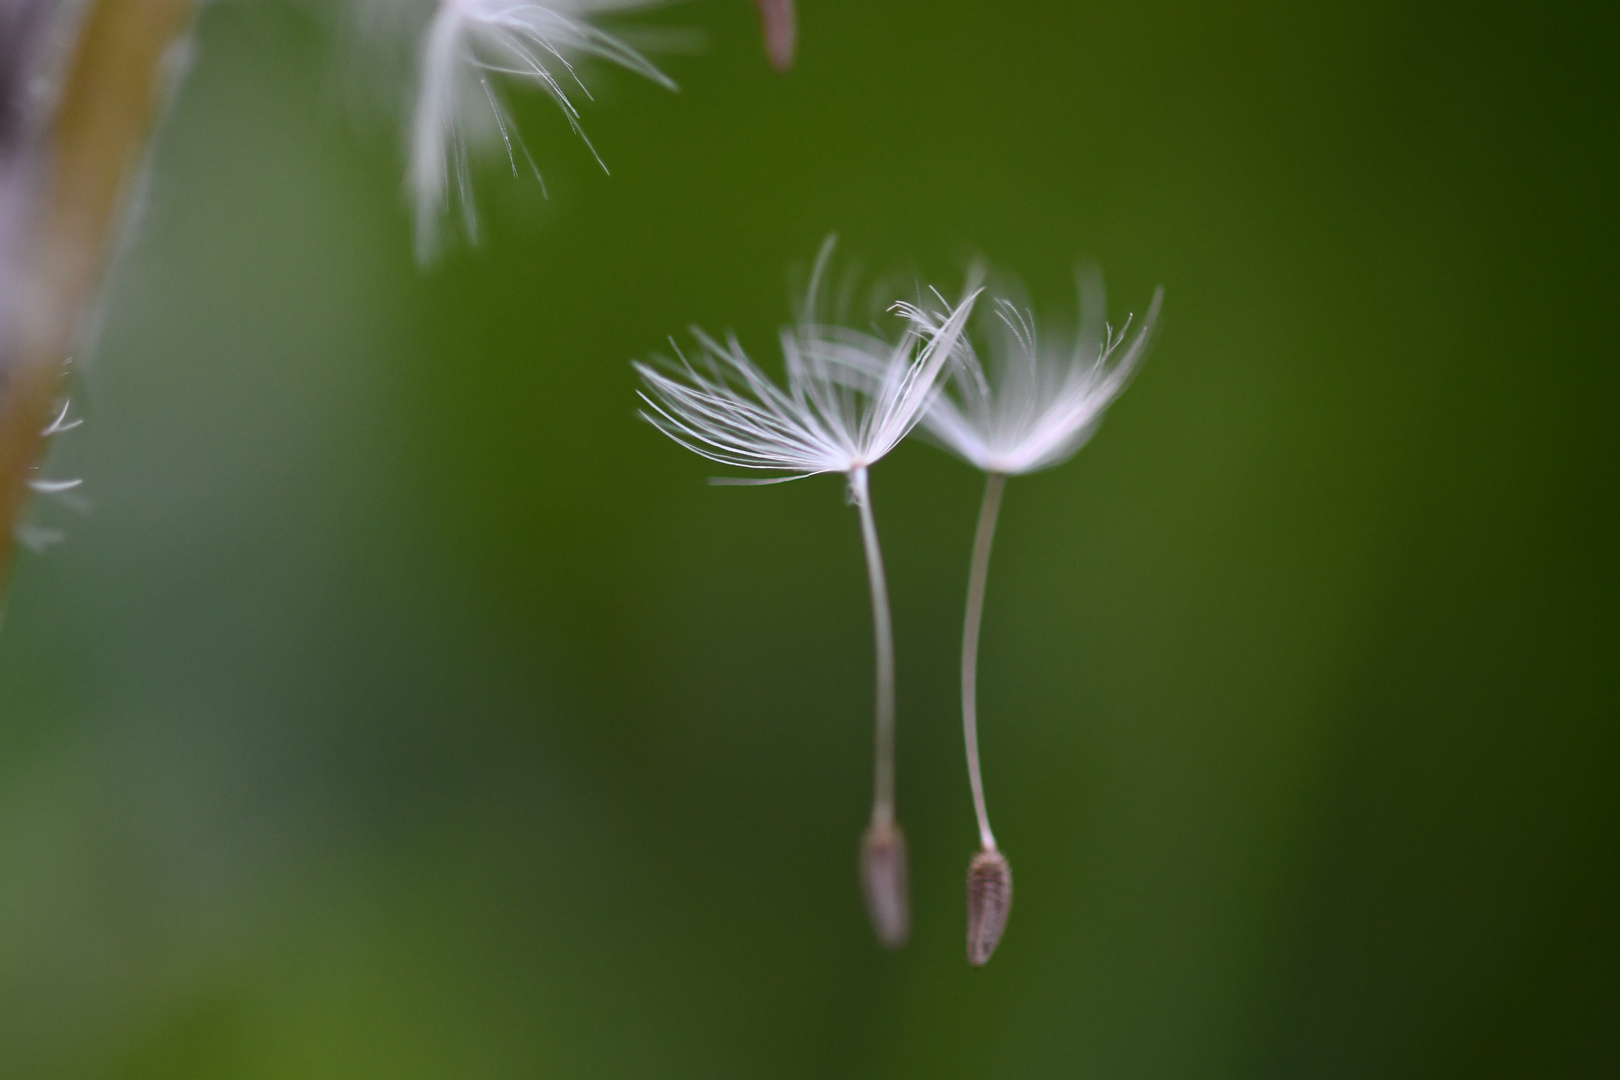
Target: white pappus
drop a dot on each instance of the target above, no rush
(822, 422)
(1039, 402)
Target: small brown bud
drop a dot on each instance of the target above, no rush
(989, 899)
(781, 28)
(884, 878)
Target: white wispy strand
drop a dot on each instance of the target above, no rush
(459, 108)
(727, 410)
(1037, 405)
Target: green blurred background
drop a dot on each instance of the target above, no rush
(405, 708)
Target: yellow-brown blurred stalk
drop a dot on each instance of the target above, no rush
(68, 176)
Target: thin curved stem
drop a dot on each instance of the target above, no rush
(978, 572)
(883, 637)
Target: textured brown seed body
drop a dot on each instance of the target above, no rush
(989, 899)
(884, 883)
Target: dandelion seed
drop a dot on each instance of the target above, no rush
(1035, 409)
(470, 45)
(730, 412)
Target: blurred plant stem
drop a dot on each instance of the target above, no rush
(69, 173)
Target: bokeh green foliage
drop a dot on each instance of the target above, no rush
(405, 708)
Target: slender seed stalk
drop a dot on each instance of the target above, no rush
(978, 572)
(883, 638)
(989, 880)
(885, 876)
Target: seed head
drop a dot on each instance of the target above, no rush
(989, 899)
(885, 883)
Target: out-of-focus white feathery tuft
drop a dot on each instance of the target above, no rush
(1038, 403)
(467, 46)
(823, 421)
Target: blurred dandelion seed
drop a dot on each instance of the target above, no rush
(459, 109)
(1035, 409)
(732, 413)
(780, 25)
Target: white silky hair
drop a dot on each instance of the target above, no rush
(727, 410)
(459, 110)
(1040, 401)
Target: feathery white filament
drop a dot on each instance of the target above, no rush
(54, 487)
(61, 423)
(458, 107)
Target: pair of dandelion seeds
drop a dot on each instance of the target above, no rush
(851, 396)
